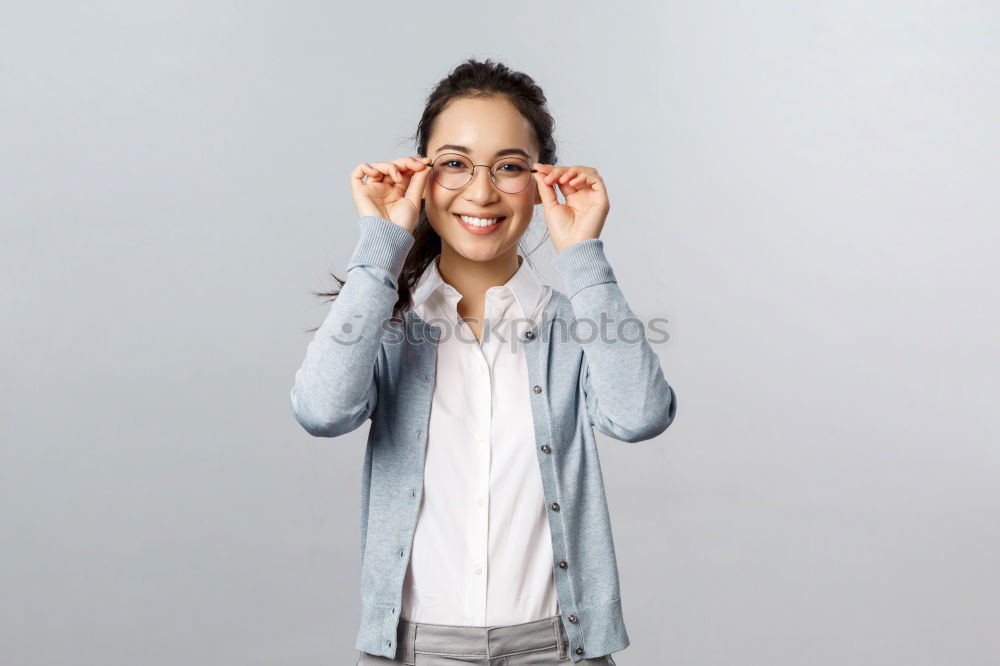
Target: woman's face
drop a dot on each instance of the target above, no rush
(478, 129)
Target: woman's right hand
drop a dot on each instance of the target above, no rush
(393, 189)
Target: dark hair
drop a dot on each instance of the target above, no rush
(471, 79)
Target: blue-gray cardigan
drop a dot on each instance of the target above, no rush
(361, 364)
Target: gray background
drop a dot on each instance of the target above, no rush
(806, 190)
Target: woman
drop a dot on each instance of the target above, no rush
(485, 534)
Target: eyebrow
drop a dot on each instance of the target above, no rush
(499, 153)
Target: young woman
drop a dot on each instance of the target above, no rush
(485, 533)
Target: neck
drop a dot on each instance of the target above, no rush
(472, 278)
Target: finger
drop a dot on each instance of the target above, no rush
(373, 173)
(545, 191)
(554, 173)
(362, 170)
(416, 163)
(571, 172)
(587, 181)
(547, 169)
(415, 188)
(358, 176)
(406, 164)
(410, 165)
(567, 189)
(387, 168)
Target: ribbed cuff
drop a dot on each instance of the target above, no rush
(383, 244)
(583, 264)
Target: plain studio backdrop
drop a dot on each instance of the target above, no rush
(806, 191)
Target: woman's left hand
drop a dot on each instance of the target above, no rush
(582, 216)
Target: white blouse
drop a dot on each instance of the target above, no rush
(482, 552)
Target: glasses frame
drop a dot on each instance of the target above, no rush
(473, 176)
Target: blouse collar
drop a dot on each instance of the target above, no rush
(525, 288)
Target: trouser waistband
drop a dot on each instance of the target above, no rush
(482, 642)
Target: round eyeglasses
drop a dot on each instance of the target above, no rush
(509, 174)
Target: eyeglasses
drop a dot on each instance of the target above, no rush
(509, 174)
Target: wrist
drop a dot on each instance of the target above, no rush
(571, 243)
(584, 264)
(382, 243)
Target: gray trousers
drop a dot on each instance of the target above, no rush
(539, 643)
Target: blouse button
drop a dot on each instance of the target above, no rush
(537, 389)
(562, 564)
(545, 448)
(530, 335)
(579, 650)
(555, 506)
(572, 618)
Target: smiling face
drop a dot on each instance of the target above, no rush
(480, 129)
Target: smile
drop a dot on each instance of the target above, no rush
(478, 225)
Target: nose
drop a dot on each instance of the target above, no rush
(481, 188)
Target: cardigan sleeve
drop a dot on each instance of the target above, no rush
(627, 396)
(336, 386)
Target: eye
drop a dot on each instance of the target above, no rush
(516, 167)
(455, 163)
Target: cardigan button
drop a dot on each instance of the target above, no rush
(562, 564)
(579, 650)
(545, 448)
(572, 618)
(555, 506)
(537, 389)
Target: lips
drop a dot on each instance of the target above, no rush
(480, 230)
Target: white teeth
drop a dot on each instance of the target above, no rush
(479, 222)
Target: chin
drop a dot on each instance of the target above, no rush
(477, 251)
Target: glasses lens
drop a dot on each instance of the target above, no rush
(452, 171)
(511, 174)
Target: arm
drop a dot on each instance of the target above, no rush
(336, 387)
(627, 396)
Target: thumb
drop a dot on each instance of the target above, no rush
(545, 191)
(415, 188)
